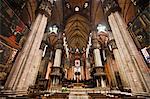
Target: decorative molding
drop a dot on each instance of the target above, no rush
(110, 6)
(95, 43)
(112, 43)
(59, 44)
(45, 8)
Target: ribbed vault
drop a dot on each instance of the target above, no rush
(77, 30)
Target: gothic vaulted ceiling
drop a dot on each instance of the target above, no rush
(77, 30)
(78, 24)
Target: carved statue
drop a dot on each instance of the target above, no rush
(103, 38)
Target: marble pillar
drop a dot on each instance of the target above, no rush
(96, 51)
(110, 69)
(88, 70)
(72, 72)
(97, 83)
(132, 61)
(56, 74)
(17, 67)
(36, 65)
(97, 59)
(57, 59)
(122, 73)
(124, 52)
(25, 68)
(66, 72)
(119, 64)
(82, 72)
(27, 73)
(69, 73)
(103, 82)
(140, 65)
(48, 70)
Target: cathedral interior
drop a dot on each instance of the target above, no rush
(75, 49)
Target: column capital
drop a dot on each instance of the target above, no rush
(95, 43)
(59, 44)
(112, 43)
(45, 8)
(42, 45)
(110, 6)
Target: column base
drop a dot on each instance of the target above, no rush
(103, 88)
(126, 89)
(99, 71)
(56, 71)
(142, 95)
(13, 93)
(56, 88)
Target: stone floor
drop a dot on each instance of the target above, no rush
(79, 92)
(78, 95)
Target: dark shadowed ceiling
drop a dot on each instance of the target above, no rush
(76, 24)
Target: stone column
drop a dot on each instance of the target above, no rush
(24, 70)
(140, 65)
(133, 63)
(35, 69)
(57, 60)
(82, 73)
(97, 57)
(72, 73)
(16, 69)
(45, 62)
(48, 70)
(113, 66)
(27, 73)
(98, 62)
(110, 69)
(96, 51)
(103, 82)
(66, 72)
(69, 73)
(97, 83)
(131, 73)
(56, 74)
(119, 63)
(88, 67)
